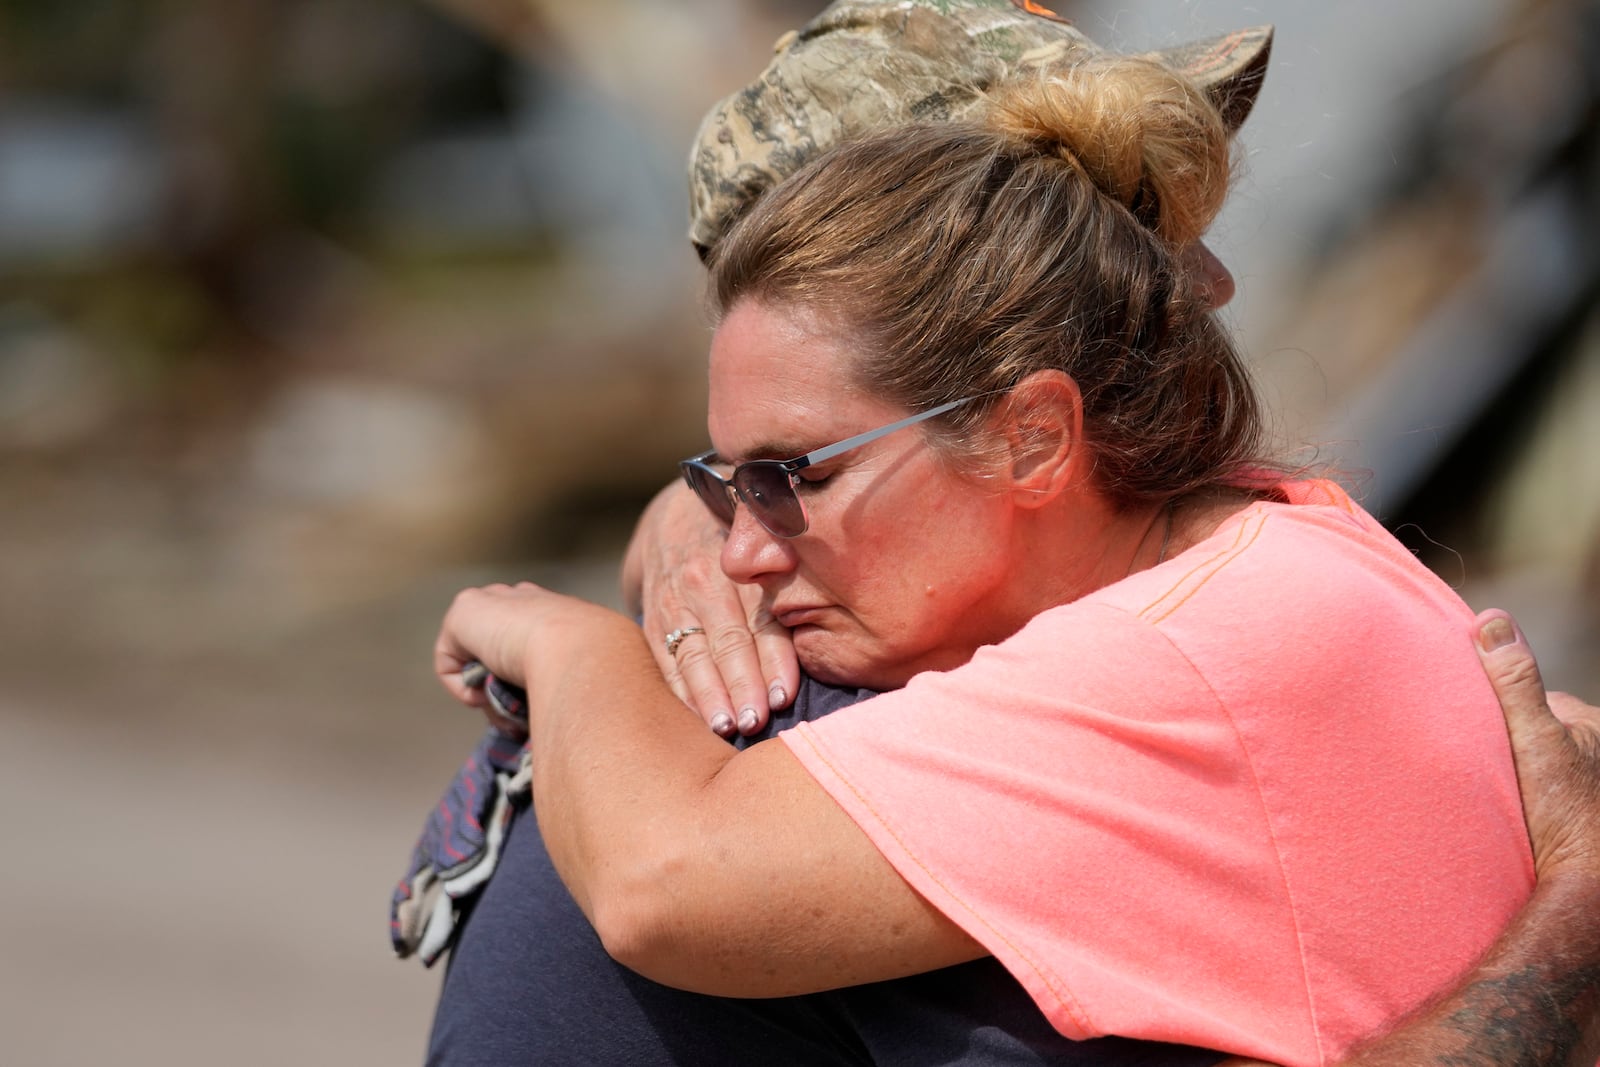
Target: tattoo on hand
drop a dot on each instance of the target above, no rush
(1524, 1019)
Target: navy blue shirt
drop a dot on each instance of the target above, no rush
(529, 982)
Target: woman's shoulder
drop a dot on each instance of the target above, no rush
(1304, 543)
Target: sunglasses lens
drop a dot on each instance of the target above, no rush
(769, 494)
(712, 490)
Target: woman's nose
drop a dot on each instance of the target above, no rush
(751, 550)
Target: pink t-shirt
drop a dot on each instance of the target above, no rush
(1258, 798)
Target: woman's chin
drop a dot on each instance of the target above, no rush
(825, 656)
(833, 659)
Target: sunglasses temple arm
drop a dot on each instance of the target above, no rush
(823, 454)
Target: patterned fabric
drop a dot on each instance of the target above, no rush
(460, 843)
(864, 64)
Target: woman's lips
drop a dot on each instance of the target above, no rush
(790, 617)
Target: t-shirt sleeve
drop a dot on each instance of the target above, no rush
(1235, 801)
(1107, 845)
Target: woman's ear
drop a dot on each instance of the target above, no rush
(1043, 428)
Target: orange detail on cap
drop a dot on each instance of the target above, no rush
(1031, 8)
(1220, 53)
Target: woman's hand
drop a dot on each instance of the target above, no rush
(735, 662)
(502, 627)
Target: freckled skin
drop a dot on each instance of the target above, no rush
(778, 376)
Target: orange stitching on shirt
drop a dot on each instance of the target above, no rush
(1214, 563)
(1199, 585)
(1068, 1002)
(1320, 492)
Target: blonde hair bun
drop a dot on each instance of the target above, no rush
(1145, 135)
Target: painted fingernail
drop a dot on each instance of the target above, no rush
(1496, 633)
(722, 724)
(776, 696)
(747, 721)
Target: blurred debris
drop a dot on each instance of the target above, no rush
(314, 311)
(367, 288)
(1456, 317)
(76, 183)
(55, 391)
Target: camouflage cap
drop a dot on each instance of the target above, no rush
(861, 64)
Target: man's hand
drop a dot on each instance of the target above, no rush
(1558, 758)
(735, 663)
(1534, 1000)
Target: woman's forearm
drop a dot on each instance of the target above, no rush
(688, 856)
(618, 762)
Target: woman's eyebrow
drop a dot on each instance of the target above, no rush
(773, 450)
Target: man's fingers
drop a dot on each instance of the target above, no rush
(1509, 662)
(1558, 768)
(1582, 720)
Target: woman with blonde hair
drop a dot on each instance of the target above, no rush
(1181, 738)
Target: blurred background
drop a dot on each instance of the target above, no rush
(313, 311)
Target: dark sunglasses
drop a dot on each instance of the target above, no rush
(766, 486)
